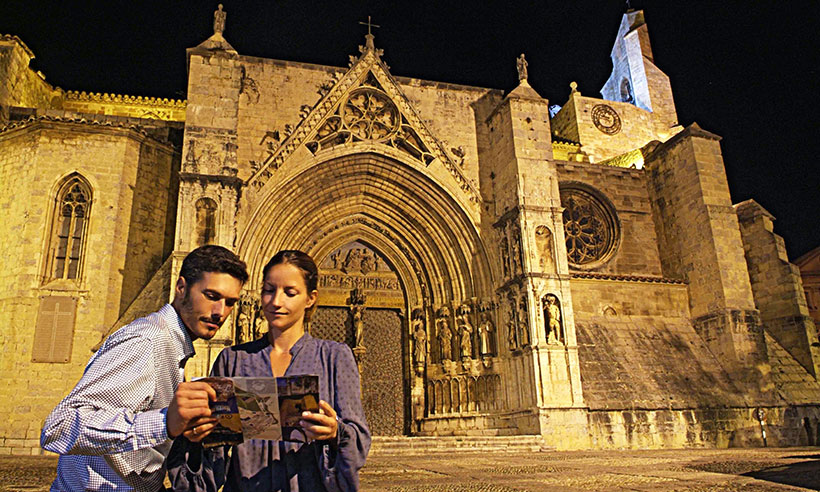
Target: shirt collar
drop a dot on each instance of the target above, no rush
(184, 348)
(305, 340)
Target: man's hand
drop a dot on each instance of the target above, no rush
(322, 425)
(189, 408)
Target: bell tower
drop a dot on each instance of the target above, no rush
(635, 78)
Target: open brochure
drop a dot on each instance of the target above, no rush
(261, 408)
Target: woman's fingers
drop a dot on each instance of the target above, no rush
(322, 425)
(325, 408)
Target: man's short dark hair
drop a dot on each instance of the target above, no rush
(212, 258)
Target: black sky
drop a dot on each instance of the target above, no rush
(746, 70)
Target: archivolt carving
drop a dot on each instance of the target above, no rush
(384, 232)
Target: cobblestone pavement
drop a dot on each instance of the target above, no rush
(700, 470)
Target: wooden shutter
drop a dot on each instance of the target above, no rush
(54, 332)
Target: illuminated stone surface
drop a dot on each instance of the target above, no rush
(673, 313)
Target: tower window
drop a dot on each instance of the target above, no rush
(70, 229)
(626, 92)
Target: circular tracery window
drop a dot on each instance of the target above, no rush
(370, 115)
(590, 227)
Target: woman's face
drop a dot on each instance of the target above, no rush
(285, 298)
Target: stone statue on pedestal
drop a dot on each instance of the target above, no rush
(419, 341)
(485, 330)
(219, 20)
(466, 332)
(521, 66)
(552, 318)
(445, 334)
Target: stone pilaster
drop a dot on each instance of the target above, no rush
(530, 227)
(209, 155)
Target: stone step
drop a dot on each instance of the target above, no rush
(404, 445)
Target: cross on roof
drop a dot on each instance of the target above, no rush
(369, 25)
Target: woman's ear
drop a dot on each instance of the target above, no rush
(312, 297)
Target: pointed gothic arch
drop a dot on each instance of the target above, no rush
(66, 243)
(398, 210)
(432, 240)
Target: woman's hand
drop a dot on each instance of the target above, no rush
(322, 425)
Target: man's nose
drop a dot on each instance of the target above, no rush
(218, 309)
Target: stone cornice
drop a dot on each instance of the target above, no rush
(229, 181)
(97, 97)
(625, 278)
(89, 124)
(34, 119)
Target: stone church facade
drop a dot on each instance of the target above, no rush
(497, 269)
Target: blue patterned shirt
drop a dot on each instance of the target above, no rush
(111, 430)
(268, 466)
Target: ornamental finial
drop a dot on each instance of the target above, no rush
(368, 38)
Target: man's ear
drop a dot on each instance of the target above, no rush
(179, 290)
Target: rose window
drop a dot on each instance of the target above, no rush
(370, 115)
(590, 228)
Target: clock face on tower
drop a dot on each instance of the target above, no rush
(606, 119)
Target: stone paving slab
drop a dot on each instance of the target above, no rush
(694, 470)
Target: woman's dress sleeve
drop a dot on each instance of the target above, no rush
(340, 460)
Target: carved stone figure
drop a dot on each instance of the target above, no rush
(336, 260)
(485, 333)
(466, 333)
(243, 327)
(259, 325)
(505, 258)
(358, 323)
(521, 65)
(512, 326)
(219, 20)
(515, 252)
(445, 334)
(368, 261)
(552, 319)
(523, 321)
(419, 341)
(543, 244)
(353, 260)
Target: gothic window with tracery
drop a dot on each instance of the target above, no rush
(205, 221)
(590, 228)
(370, 115)
(70, 229)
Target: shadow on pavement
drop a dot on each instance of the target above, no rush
(803, 474)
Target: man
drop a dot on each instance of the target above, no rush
(116, 427)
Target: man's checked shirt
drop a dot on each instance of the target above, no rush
(111, 430)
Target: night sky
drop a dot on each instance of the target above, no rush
(747, 71)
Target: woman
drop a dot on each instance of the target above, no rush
(338, 435)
